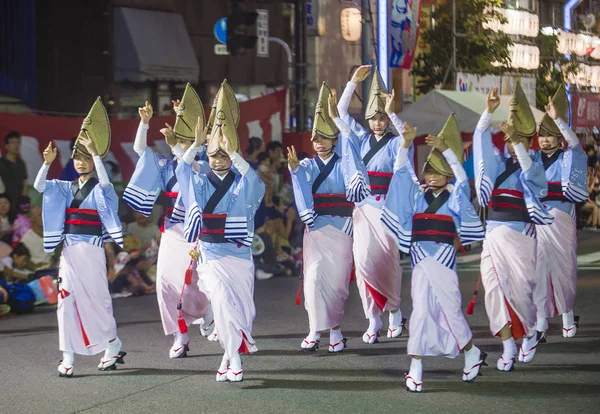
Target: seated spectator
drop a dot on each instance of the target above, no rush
(267, 176)
(276, 257)
(15, 267)
(33, 239)
(16, 297)
(22, 223)
(5, 219)
(144, 229)
(591, 208)
(255, 146)
(4, 307)
(13, 170)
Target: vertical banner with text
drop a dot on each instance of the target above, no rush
(262, 33)
(404, 30)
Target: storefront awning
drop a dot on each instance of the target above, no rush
(152, 46)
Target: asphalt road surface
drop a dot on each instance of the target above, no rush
(280, 378)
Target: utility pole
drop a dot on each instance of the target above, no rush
(367, 23)
(300, 63)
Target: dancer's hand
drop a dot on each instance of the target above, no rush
(87, 142)
(145, 113)
(551, 109)
(169, 134)
(332, 102)
(492, 101)
(292, 158)
(224, 142)
(361, 73)
(510, 132)
(436, 142)
(49, 154)
(409, 134)
(200, 134)
(389, 103)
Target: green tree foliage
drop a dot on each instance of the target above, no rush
(475, 51)
(553, 67)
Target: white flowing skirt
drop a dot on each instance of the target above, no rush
(508, 276)
(229, 283)
(556, 266)
(173, 261)
(437, 324)
(327, 268)
(377, 263)
(85, 314)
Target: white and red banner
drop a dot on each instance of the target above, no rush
(404, 30)
(261, 117)
(586, 110)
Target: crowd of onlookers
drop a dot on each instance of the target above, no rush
(589, 217)
(24, 264)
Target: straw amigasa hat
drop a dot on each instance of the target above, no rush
(190, 108)
(377, 95)
(520, 113)
(97, 126)
(226, 119)
(452, 137)
(323, 124)
(547, 127)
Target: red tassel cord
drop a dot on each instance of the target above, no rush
(471, 306)
(180, 321)
(188, 274)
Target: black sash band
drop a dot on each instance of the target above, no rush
(324, 170)
(333, 205)
(555, 192)
(435, 203)
(376, 146)
(213, 228)
(82, 221)
(548, 161)
(85, 229)
(80, 194)
(438, 228)
(505, 208)
(380, 182)
(221, 187)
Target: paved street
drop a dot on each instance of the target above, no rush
(564, 377)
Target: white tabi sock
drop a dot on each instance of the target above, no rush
(510, 348)
(395, 319)
(180, 339)
(414, 378)
(568, 319)
(68, 358)
(335, 336)
(375, 324)
(313, 336)
(541, 324)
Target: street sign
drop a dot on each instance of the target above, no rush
(262, 33)
(221, 49)
(220, 30)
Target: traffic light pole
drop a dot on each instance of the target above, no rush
(290, 78)
(365, 47)
(300, 49)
